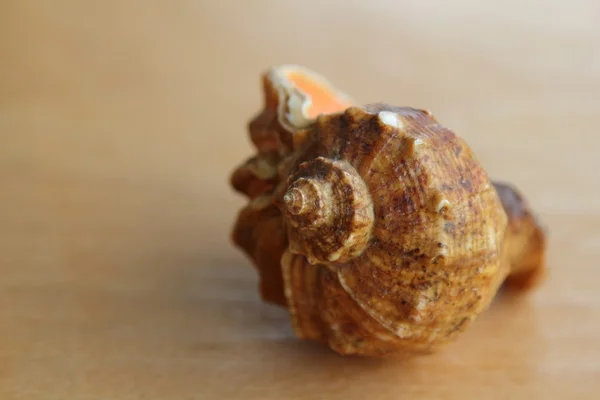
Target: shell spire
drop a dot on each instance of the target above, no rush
(328, 211)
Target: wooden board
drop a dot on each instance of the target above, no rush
(121, 121)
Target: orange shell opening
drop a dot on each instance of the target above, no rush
(324, 100)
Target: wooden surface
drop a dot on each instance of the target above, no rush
(120, 122)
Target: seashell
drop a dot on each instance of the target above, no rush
(374, 225)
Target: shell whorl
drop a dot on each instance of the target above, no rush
(328, 211)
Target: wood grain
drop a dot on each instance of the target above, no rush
(121, 120)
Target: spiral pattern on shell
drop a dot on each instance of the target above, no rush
(328, 210)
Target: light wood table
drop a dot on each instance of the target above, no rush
(121, 121)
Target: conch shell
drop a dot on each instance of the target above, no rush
(374, 225)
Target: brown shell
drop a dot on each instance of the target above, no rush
(433, 259)
(375, 226)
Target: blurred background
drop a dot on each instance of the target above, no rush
(122, 120)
